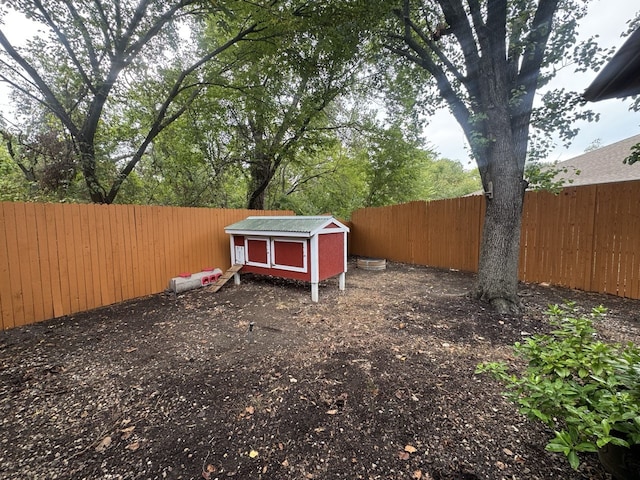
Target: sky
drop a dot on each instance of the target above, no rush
(606, 18)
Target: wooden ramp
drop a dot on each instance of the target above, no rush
(224, 278)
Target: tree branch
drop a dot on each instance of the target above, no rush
(161, 120)
(65, 41)
(50, 99)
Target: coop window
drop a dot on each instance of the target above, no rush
(289, 254)
(257, 252)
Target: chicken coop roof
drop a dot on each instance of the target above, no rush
(295, 225)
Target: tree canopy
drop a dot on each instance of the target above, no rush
(233, 104)
(92, 55)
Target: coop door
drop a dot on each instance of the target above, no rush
(257, 252)
(289, 254)
(239, 255)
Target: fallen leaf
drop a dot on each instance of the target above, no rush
(319, 429)
(211, 468)
(507, 451)
(417, 474)
(133, 446)
(403, 455)
(249, 410)
(293, 380)
(285, 463)
(410, 449)
(332, 412)
(127, 432)
(264, 469)
(500, 465)
(104, 444)
(253, 454)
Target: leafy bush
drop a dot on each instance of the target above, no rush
(587, 390)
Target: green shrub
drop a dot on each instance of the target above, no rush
(586, 390)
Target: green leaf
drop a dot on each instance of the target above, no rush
(558, 448)
(586, 447)
(573, 460)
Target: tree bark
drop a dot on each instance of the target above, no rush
(261, 174)
(497, 280)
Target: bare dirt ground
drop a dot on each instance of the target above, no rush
(376, 382)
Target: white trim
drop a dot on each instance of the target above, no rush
(232, 248)
(315, 266)
(266, 233)
(246, 252)
(323, 228)
(346, 250)
(289, 268)
(333, 230)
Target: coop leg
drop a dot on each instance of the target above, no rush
(236, 278)
(341, 281)
(314, 292)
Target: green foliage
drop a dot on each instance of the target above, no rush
(335, 182)
(277, 107)
(395, 167)
(548, 177)
(116, 74)
(635, 155)
(448, 179)
(13, 186)
(369, 166)
(587, 390)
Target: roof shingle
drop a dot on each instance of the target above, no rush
(604, 165)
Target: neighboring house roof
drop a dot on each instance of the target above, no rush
(603, 165)
(297, 226)
(620, 77)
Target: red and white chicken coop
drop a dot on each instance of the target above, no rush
(304, 248)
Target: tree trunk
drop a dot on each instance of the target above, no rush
(88, 165)
(261, 175)
(497, 281)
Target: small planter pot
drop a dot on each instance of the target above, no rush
(621, 462)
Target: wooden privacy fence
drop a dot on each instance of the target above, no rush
(586, 237)
(59, 259)
(443, 233)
